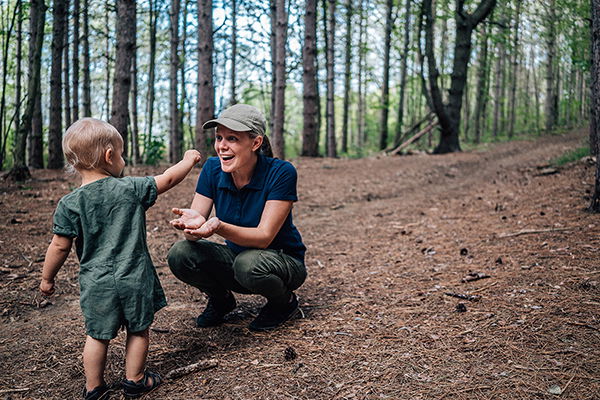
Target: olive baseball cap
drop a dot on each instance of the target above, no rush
(240, 118)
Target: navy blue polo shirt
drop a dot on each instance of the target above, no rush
(273, 179)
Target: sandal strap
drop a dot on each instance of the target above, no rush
(135, 389)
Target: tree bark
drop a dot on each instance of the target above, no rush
(278, 141)
(126, 21)
(330, 108)
(595, 99)
(87, 82)
(135, 137)
(55, 154)
(232, 77)
(449, 114)
(75, 73)
(175, 120)
(550, 105)
(385, 87)
(347, 67)
(67, 73)
(5, 47)
(206, 92)
(310, 143)
(360, 134)
(403, 71)
(514, 64)
(482, 89)
(153, 14)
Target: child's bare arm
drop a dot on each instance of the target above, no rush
(57, 253)
(177, 172)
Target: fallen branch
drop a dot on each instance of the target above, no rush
(469, 297)
(13, 390)
(188, 369)
(414, 138)
(530, 231)
(474, 276)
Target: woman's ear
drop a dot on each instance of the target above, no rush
(257, 142)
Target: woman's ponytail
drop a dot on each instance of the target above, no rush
(265, 148)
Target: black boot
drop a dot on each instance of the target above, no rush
(272, 316)
(215, 310)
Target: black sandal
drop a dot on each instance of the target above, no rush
(101, 392)
(132, 389)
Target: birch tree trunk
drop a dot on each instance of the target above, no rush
(55, 154)
(126, 21)
(310, 135)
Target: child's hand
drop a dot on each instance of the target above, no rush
(47, 287)
(188, 219)
(192, 156)
(206, 230)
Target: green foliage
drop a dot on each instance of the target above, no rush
(155, 151)
(571, 155)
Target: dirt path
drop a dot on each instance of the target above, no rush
(388, 238)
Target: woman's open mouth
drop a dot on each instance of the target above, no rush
(226, 158)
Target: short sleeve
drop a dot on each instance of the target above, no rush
(284, 184)
(65, 221)
(145, 190)
(205, 185)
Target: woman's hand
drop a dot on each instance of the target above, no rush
(188, 219)
(207, 229)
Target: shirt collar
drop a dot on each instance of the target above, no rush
(257, 181)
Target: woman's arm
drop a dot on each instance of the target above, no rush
(271, 220)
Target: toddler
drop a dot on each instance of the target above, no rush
(105, 217)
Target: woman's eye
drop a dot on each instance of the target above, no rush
(218, 138)
(232, 138)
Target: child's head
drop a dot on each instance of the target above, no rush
(86, 141)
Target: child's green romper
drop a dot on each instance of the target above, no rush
(118, 282)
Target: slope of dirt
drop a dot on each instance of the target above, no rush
(389, 239)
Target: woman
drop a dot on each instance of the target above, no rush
(252, 194)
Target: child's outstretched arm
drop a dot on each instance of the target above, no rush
(57, 253)
(177, 172)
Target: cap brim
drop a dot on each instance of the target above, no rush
(226, 122)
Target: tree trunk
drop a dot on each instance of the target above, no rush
(347, 65)
(19, 171)
(206, 92)
(107, 58)
(449, 115)
(67, 73)
(153, 14)
(330, 108)
(310, 143)
(360, 134)
(481, 98)
(126, 21)
(183, 100)
(55, 154)
(514, 64)
(87, 82)
(280, 80)
(498, 82)
(32, 117)
(135, 137)
(4, 130)
(75, 73)
(403, 70)
(233, 99)
(175, 126)
(595, 99)
(550, 105)
(385, 87)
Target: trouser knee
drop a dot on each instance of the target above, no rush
(248, 268)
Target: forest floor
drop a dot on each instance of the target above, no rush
(389, 238)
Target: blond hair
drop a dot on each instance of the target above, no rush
(86, 142)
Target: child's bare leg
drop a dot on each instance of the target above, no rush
(94, 361)
(136, 351)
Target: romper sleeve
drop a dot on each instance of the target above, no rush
(65, 221)
(145, 190)
(284, 184)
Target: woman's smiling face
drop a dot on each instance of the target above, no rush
(235, 149)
